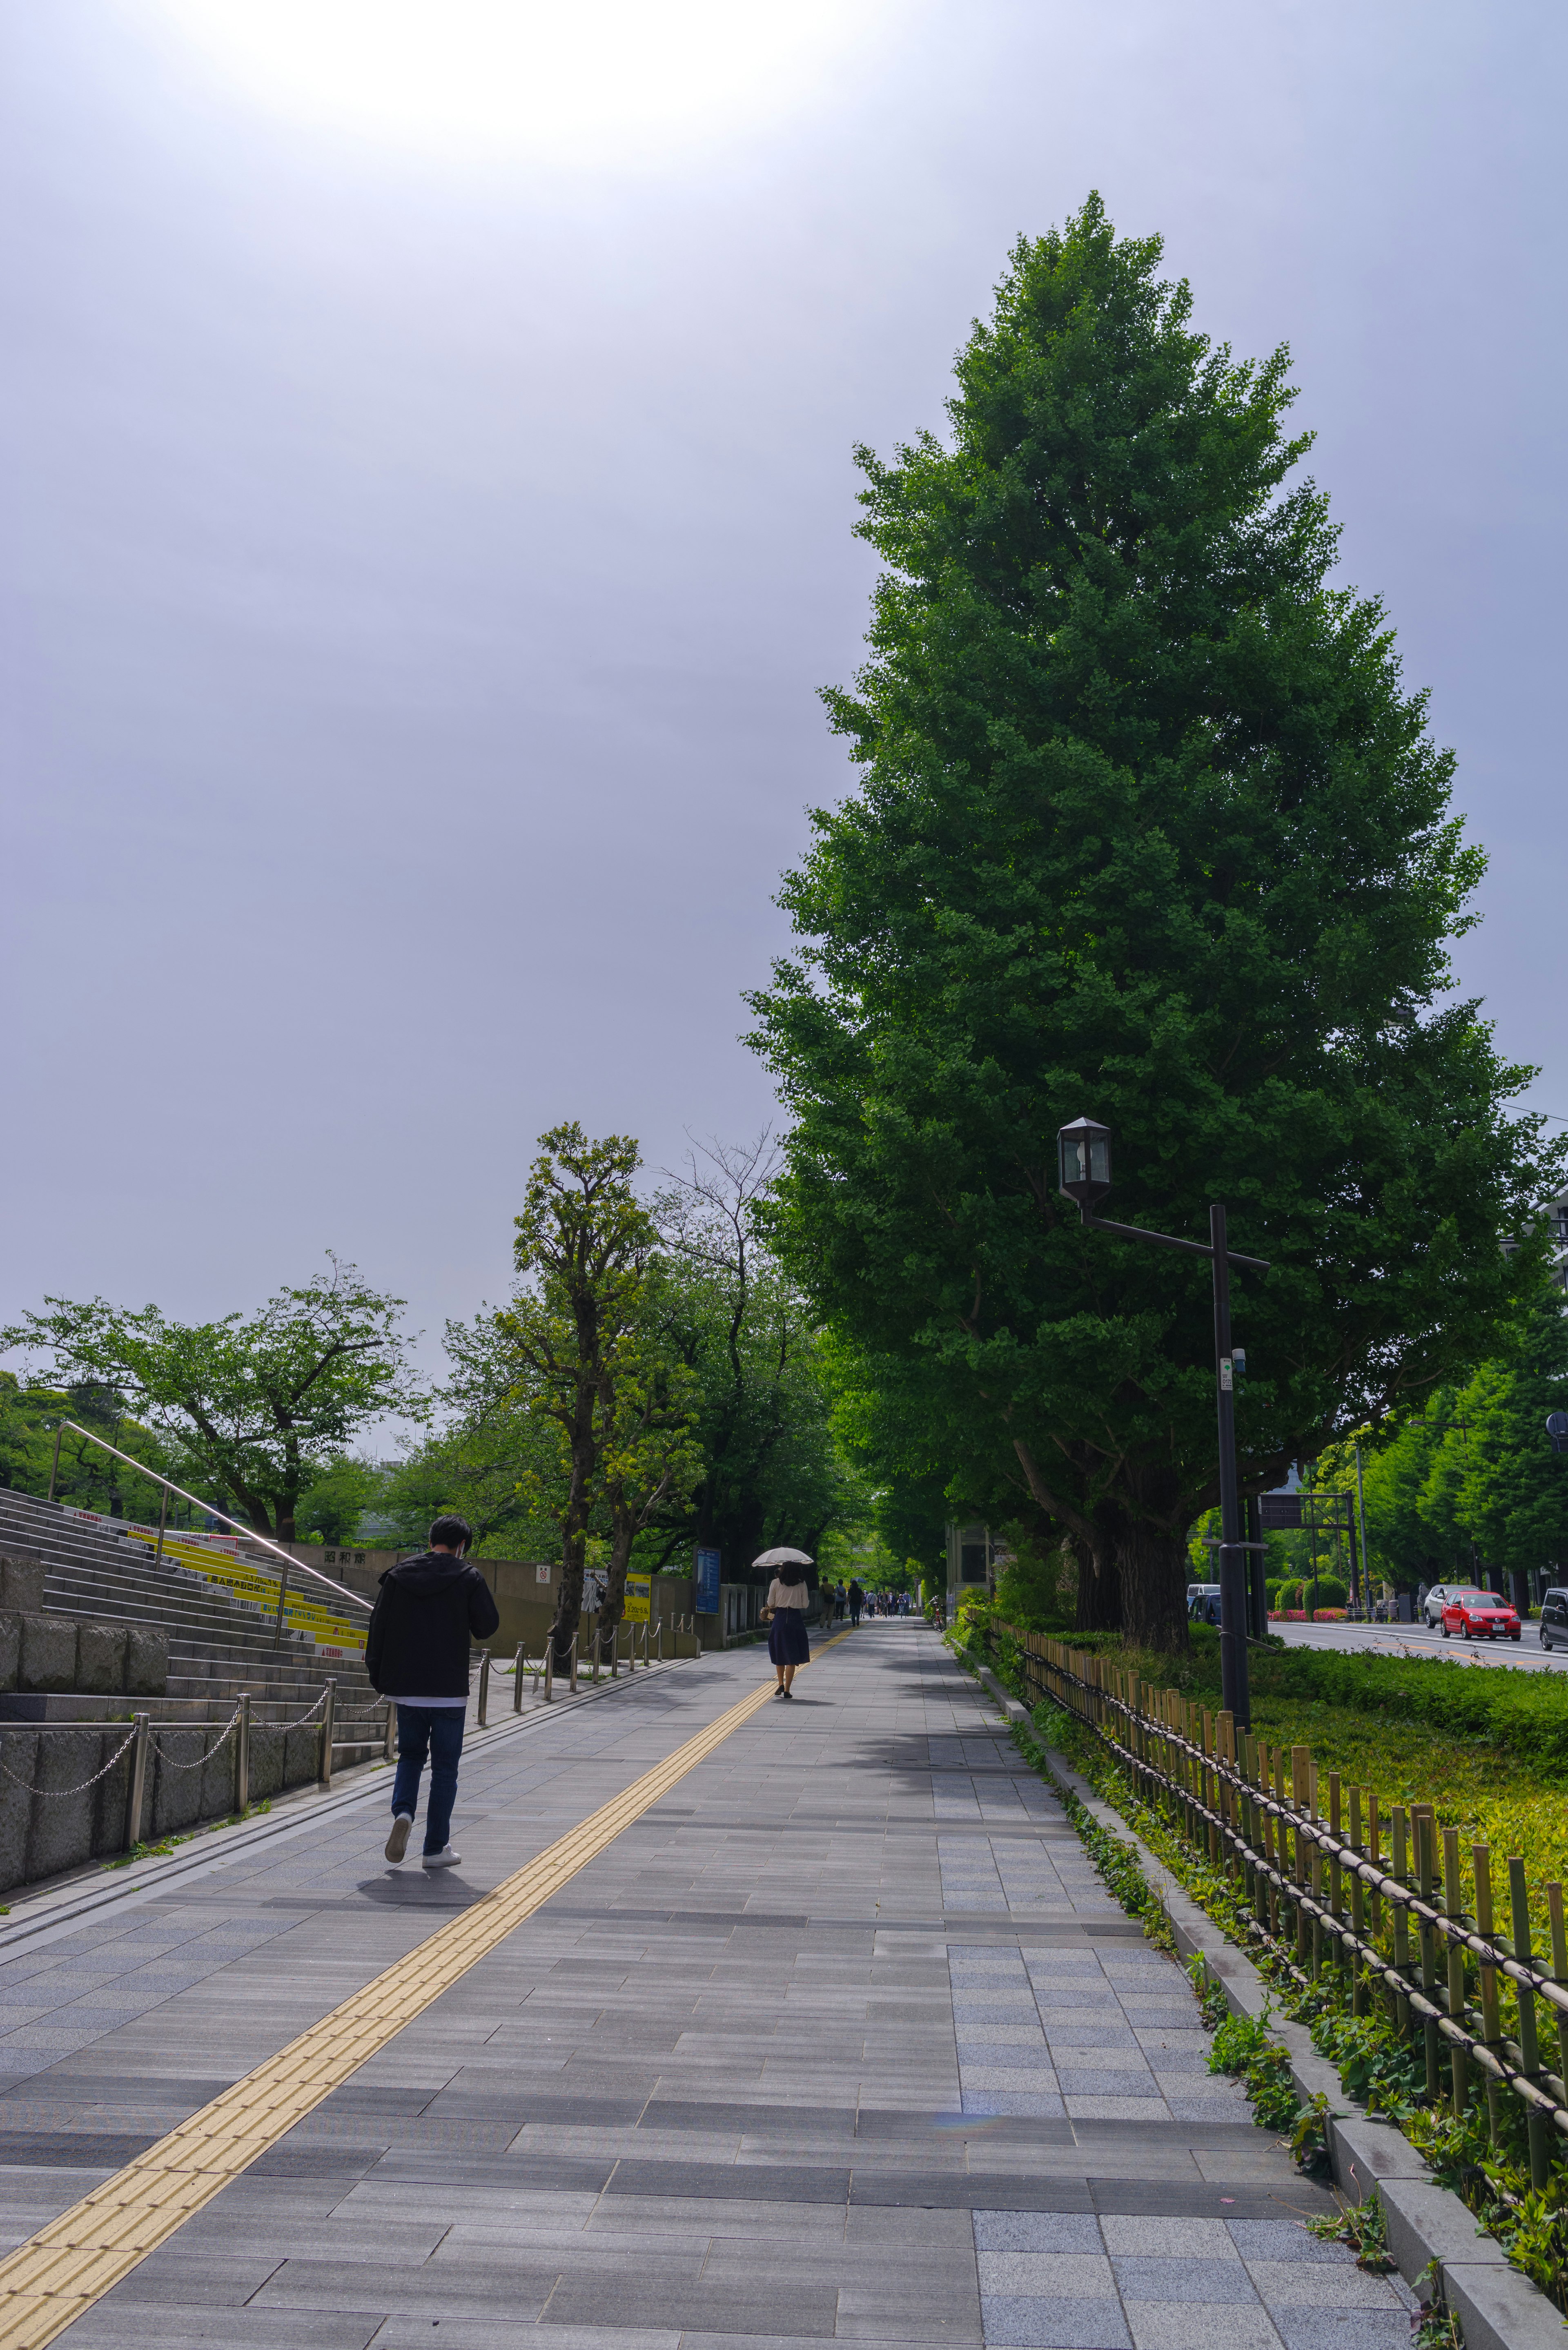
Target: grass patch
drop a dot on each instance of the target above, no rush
(1415, 1730)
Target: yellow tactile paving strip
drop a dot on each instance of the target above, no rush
(57, 2274)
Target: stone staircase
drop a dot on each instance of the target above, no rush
(218, 1644)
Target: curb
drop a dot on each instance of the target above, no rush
(1429, 2228)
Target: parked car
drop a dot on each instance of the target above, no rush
(1436, 1600)
(1480, 1615)
(1203, 1603)
(1555, 1618)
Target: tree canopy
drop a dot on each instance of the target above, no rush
(1477, 1467)
(259, 1403)
(1149, 828)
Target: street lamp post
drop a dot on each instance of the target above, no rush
(1084, 1157)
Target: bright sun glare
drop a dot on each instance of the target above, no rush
(587, 79)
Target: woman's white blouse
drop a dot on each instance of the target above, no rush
(787, 1595)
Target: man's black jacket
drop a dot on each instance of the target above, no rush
(427, 1612)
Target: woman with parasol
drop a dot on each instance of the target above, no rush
(785, 1606)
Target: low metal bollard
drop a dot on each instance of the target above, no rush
(517, 1671)
(137, 1798)
(329, 1720)
(483, 1722)
(572, 1659)
(242, 1756)
(550, 1670)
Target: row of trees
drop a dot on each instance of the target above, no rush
(655, 1382)
(1471, 1478)
(1149, 827)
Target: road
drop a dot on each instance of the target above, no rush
(1413, 1641)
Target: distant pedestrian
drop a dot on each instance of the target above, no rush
(829, 1594)
(429, 1612)
(787, 1643)
(857, 1602)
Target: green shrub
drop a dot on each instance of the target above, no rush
(1331, 1592)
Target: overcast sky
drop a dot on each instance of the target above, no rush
(426, 522)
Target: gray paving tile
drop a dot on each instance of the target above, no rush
(1189, 2278)
(1343, 2329)
(744, 2013)
(1037, 2324)
(1201, 2325)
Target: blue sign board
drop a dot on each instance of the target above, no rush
(707, 1583)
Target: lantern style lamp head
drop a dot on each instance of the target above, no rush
(1084, 1152)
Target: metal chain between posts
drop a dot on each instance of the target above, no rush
(216, 1748)
(203, 1758)
(302, 1720)
(53, 1794)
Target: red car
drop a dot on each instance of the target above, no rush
(1480, 1615)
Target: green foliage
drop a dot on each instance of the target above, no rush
(334, 1504)
(1241, 2047)
(1363, 2226)
(1379, 2069)
(1476, 1464)
(768, 1392)
(1148, 826)
(87, 1476)
(583, 1252)
(1520, 1714)
(492, 1460)
(1119, 1862)
(260, 1405)
(1037, 1588)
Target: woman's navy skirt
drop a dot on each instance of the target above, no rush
(787, 1643)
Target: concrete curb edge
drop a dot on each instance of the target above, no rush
(1497, 2306)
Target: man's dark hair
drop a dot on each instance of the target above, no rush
(452, 1534)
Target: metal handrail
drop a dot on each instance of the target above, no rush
(299, 1565)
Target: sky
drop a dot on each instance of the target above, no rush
(427, 509)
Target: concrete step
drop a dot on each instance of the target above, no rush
(218, 1646)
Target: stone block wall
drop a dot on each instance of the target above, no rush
(51, 1817)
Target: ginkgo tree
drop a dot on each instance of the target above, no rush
(1149, 828)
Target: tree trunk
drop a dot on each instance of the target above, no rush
(613, 1607)
(1152, 1567)
(575, 1529)
(1099, 1605)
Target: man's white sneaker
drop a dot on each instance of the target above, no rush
(445, 1859)
(397, 1842)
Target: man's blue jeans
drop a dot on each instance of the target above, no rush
(435, 1731)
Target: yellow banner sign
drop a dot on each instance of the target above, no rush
(637, 1591)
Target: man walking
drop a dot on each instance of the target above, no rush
(857, 1602)
(428, 1613)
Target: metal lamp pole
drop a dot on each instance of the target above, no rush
(1085, 1150)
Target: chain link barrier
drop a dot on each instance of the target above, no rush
(202, 1760)
(169, 1762)
(54, 1794)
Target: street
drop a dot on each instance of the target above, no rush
(1415, 1640)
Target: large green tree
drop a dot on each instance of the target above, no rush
(257, 1404)
(1149, 828)
(584, 1247)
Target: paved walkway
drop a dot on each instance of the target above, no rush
(843, 2039)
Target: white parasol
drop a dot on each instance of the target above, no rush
(784, 1558)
